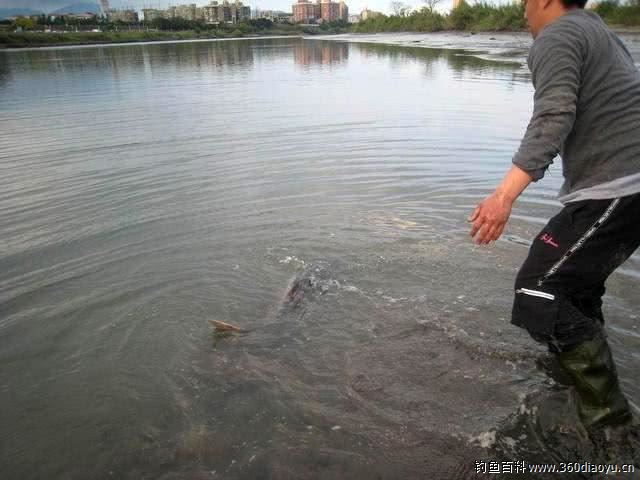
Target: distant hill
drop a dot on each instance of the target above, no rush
(77, 8)
(14, 12)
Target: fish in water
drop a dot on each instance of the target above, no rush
(298, 288)
(224, 327)
(313, 280)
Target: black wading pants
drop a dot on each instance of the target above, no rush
(559, 288)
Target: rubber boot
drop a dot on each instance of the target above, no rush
(600, 401)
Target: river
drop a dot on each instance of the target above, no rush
(148, 188)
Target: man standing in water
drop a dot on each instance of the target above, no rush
(587, 109)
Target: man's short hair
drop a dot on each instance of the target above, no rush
(574, 3)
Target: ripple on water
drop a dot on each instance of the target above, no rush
(146, 189)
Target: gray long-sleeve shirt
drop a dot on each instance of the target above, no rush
(586, 108)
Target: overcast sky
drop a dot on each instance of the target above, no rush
(355, 6)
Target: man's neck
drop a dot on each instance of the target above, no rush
(556, 12)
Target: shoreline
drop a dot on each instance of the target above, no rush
(142, 40)
(23, 48)
(179, 37)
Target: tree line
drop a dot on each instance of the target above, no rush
(244, 27)
(163, 24)
(481, 16)
(615, 13)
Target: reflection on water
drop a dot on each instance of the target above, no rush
(121, 59)
(4, 73)
(146, 189)
(323, 53)
(456, 59)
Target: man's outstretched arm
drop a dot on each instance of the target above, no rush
(555, 62)
(491, 215)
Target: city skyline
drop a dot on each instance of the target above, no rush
(355, 6)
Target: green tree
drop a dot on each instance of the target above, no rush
(606, 8)
(461, 17)
(431, 4)
(25, 23)
(261, 23)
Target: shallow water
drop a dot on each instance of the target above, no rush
(145, 189)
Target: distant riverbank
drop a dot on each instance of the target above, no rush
(465, 17)
(392, 24)
(40, 39)
(485, 17)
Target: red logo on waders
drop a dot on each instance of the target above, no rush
(548, 239)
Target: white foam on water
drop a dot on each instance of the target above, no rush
(351, 288)
(290, 259)
(484, 440)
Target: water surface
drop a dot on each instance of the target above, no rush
(145, 189)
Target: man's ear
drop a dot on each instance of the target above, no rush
(545, 4)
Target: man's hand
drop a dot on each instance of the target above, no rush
(490, 217)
